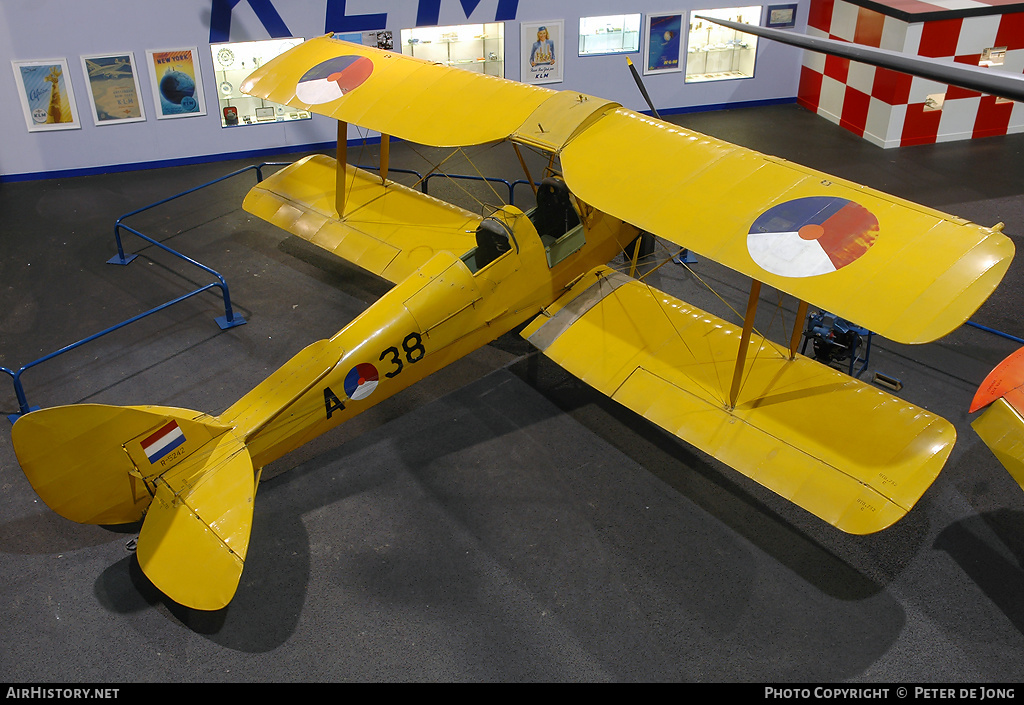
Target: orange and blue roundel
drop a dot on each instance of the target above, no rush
(806, 237)
(331, 79)
(360, 381)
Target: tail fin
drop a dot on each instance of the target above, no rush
(187, 473)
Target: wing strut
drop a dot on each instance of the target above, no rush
(339, 194)
(798, 328)
(522, 162)
(748, 326)
(385, 157)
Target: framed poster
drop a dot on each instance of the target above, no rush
(781, 16)
(47, 99)
(663, 33)
(541, 52)
(177, 82)
(114, 92)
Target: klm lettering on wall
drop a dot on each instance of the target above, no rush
(337, 19)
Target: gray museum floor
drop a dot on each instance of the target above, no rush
(500, 521)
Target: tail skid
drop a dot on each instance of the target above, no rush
(184, 471)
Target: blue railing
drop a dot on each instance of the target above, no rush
(424, 184)
(230, 319)
(1000, 333)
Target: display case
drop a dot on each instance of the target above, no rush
(474, 47)
(233, 62)
(609, 34)
(717, 53)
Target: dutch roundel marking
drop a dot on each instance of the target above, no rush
(360, 381)
(806, 237)
(331, 79)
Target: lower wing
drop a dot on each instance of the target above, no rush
(849, 453)
(388, 229)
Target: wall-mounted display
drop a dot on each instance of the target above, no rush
(474, 47)
(232, 63)
(781, 16)
(609, 34)
(47, 98)
(664, 38)
(114, 92)
(541, 52)
(717, 53)
(177, 82)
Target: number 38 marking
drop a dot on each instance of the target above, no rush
(412, 346)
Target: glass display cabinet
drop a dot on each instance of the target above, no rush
(232, 63)
(474, 47)
(717, 53)
(609, 34)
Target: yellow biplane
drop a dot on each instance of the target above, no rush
(462, 280)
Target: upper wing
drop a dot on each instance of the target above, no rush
(909, 273)
(899, 269)
(398, 95)
(797, 427)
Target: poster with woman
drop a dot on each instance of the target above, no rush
(177, 83)
(663, 42)
(113, 88)
(541, 52)
(47, 99)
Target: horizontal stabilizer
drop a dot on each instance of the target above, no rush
(188, 474)
(387, 231)
(855, 456)
(90, 462)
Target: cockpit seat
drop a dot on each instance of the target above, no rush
(554, 215)
(491, 242)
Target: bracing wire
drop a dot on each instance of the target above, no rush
(661, 257)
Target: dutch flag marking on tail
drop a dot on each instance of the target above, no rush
(163, 442)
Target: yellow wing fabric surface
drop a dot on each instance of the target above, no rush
(388, 231)
(904, 271)
(851, 454)
(398, 95)
(1001, 427)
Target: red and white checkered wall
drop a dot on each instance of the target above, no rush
(891, 109)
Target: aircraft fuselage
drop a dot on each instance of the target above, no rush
(445, 310)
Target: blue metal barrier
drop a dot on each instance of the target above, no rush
(229, 320)
(466, 177)
(996, 332)
(19, 390)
